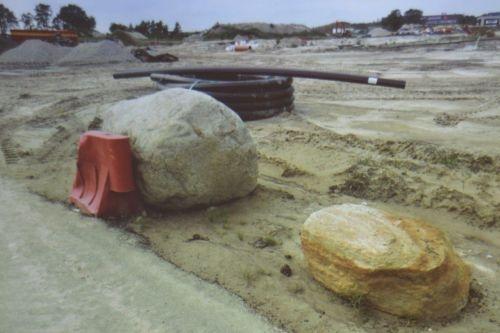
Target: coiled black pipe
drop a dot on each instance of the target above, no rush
(252, 92)
(250, 96)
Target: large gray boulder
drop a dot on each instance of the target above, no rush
(190, 150)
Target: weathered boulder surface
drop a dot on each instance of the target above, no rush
(397, 265)
(190, 150)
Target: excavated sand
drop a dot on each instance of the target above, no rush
(344, 143)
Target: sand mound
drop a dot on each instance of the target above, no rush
(256, 29)
(379, 32)
(97, 53)
(282, 29)
(400, 266)
(34, 52)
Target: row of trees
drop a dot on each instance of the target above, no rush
(69, 17)
(7, 19)
(75, 18)
(395, 19)
(151, 29)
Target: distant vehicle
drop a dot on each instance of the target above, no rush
(60, 37)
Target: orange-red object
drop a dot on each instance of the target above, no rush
(46, 35)
(242, 48)
(104, 185)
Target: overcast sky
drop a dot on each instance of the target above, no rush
(202, 14)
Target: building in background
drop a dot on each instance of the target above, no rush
(443, 19)
(489, 20)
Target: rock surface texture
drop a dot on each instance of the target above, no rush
(397, 265)
(190, 149)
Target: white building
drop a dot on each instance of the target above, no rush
(489, 20)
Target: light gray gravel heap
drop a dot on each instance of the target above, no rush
(103, 52)
(34, 52)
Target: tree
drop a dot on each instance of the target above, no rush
(393, 21)
(152, 29)
(75, 18)
(117, 26)
(143, 28)
(413, 16)
(57, 23)
(7, 19)
(159, 30)
(43, 13)
(177, 29)
(27, 19)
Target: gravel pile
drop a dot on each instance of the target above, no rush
(97, 53)
(33, 52)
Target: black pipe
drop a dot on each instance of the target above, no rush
(306, 74)
(250, 96)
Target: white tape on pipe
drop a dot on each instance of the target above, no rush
(372, 80)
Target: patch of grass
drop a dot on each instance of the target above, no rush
(263, 272)
(251, 276)
(240, 236)
(296, 288)
(269, 241)
(292, 172)
(365, 161)
(450, 160)
(264, 242)
(357, 300)
(217, 215)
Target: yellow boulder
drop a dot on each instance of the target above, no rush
(401, 266)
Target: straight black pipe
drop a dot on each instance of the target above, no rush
(306, 74)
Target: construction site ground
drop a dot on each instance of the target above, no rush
(430, 151)
(62, 272)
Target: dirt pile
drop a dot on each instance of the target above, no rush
(34, 53)
(400, 266)
(257, 29)
(130, 37)
(406, 172)
(284, 29)
(379, 32)
(104, 52)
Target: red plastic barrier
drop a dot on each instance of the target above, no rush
(104, 185)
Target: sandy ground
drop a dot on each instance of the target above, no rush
(430, 151)
(65, 273)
